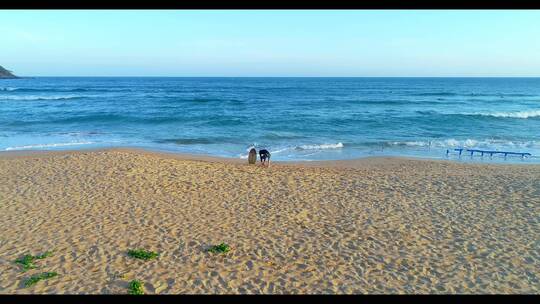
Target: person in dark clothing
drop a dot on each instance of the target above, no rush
(265, 156)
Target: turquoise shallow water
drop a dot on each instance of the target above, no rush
(294, 118)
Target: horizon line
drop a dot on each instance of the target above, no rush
(157, 76)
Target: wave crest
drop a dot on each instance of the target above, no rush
(35, 97)
(320, 147)
(515, 114)
(519, 114)
(467, 143)
(40, 146)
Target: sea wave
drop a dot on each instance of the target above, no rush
(186, 141)
(435, 94)
(37, 97)
(467, 143)
(518, 114)
(109, 118)
(282, 135)
(500, 95)
(515, 114)
(11, 89)
(195, 140)
(76, 134)
(41, 146)
(320, 147)
(281, 149)
(65, 89)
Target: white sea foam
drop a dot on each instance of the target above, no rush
(469, 143)
(518, 114)
(410, 143)
(279, 151)
(297, 148)
(320, 147)
(40, 146)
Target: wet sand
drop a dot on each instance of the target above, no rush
(376, 225)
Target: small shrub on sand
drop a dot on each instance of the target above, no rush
(143, 254)
(42, 276)
(136, 288)
(27, 261)
(221, 248)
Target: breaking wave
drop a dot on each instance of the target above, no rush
(41, 146)
(466, 143)
(519, 114)
(320, 147)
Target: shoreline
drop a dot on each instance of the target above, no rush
(343, 163)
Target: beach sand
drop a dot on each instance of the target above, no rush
(381, 225)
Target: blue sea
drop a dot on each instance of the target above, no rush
(295, 118)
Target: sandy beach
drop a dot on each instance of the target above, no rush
(379, 225)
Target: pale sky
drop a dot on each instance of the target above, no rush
(270, 42)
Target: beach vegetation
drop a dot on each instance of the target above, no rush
(27, 261)
(36, 278)
(136, 288)
(221, 248)
(142, 254)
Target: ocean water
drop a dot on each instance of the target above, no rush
(294, 118)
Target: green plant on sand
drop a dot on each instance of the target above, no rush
(221, 248)
(36, 278)
(27, 261)
(136, 288)
(142, 254)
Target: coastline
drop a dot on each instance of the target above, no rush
(380, 225)
(342, 163)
